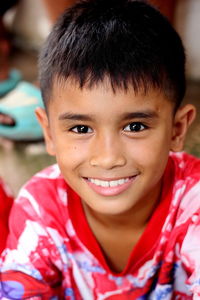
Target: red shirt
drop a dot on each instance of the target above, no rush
(52, 253)
(6, 201)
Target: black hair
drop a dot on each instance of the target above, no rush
(126, 41)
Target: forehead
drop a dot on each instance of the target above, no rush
(68, 95)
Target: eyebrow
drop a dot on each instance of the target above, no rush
(76, 117)
(148, 114)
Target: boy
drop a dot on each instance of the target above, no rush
(118, 217)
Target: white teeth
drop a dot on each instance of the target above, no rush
(105, 183)
(114, 183)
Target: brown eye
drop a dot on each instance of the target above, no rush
(81, 129)
(135, 127)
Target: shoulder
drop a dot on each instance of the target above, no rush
(186, 169)
(186, 185)
(186, 174)
(41, 203)
(183, 221)
(185, 165)
(185, 178)
(47, 180)
(46, 190)
(186, 188)
(49, 176)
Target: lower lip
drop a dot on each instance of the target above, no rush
(110, 191)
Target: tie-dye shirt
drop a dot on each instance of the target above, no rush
(53, 254)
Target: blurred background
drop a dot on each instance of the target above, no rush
(29, 23)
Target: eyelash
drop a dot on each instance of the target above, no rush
(76, 129)
(133, 127)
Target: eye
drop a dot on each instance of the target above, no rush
(135, 127)
(81, 129)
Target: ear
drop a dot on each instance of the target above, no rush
(44, 122)
(183, 118)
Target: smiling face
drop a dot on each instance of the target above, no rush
(112, 148)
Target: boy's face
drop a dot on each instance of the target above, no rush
(112, 148)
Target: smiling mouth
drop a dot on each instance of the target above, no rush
(110, 187)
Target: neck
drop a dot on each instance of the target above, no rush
(117, 235)
(135, 218)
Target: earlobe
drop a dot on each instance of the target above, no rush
(44, 123)
(183, 118)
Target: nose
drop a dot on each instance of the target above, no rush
(107, 152)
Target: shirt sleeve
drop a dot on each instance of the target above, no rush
(28, 266)
(190, 248)
(190, 253)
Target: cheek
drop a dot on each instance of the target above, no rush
(70, 156)
(151, 154)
